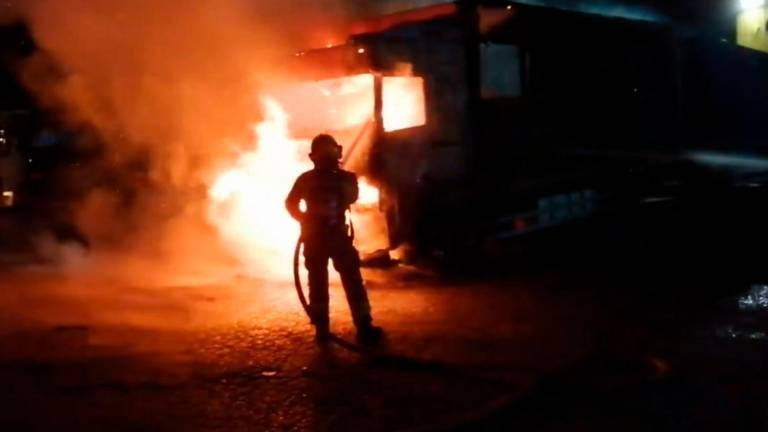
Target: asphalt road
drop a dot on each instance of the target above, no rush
(93, 351)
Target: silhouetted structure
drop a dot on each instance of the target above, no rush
(537, 116)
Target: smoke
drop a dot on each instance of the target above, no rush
(8, 13)
(158, 77)
(171, 91)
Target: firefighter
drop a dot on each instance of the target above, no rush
(328, 191)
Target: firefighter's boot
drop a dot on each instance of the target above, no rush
(369, 334)
(322, 334)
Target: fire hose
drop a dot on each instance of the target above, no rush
(297, 278)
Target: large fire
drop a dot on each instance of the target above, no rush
(247, 198)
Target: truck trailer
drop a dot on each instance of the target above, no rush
(488, 121)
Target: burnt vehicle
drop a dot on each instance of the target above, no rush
(490, 120)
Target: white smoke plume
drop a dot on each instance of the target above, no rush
(171, 90)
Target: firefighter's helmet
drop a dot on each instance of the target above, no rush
(325, 147)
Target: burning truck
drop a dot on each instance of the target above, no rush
(476, 123)
(501, 117)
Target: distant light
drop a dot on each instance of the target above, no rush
(29, 160)
(509, 7)
(752, 4)
(7, 200)
(329, 45)
(360, 50)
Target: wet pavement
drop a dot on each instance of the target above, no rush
(528, 352)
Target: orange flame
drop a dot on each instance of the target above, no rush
(402, 102)
(246, 200)
(369, 194)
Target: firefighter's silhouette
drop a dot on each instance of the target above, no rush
(327, 192)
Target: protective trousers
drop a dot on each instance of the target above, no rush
(337, 246)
